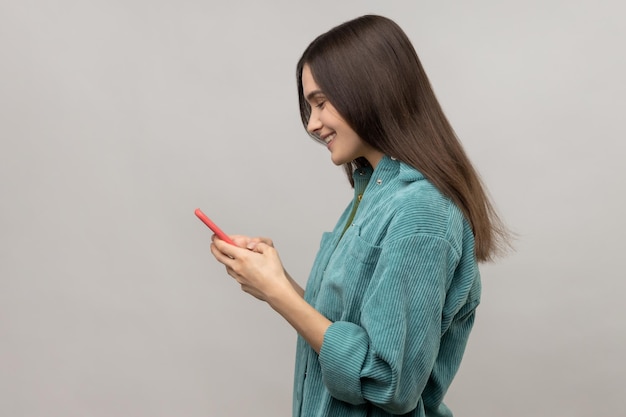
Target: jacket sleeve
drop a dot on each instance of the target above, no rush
(387, 358)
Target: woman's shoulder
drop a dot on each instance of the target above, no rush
(417, 195)
(420, 208)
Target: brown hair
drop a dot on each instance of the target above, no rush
(370, 72)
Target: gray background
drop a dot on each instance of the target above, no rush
(119, 118)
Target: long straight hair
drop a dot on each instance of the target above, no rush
(368, 69)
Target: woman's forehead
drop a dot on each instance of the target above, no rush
(310, 89)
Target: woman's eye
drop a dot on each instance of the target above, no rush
(320, 105)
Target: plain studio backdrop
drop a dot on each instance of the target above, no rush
(119, 118)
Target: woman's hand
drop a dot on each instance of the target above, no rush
(254, 264)
(251, 242)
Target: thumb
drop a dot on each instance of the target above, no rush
(256, 240)
(259, 247)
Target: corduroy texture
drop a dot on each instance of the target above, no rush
(401, 288)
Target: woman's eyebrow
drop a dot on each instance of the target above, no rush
(313, 93)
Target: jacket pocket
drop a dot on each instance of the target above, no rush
(347, 276)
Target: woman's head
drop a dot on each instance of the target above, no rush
(328, 126)
(369, 71)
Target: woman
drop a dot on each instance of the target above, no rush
(392, 294)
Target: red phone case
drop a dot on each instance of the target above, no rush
(213, 227)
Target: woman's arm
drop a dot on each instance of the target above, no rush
(295, 285)
(250, 243)
(260, 273)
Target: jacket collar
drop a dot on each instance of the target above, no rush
(387, 168)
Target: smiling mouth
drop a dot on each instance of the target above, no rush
(329, 139)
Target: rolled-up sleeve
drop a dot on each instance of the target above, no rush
(387, 358)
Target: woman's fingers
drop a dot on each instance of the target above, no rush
(219, 256)
(240, 279)
(249, 242)
(260, 247)
(225, 253)
(240, 240)
(226, 248)
(244, 284)
(255, 241)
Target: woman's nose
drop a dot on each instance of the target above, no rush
(314, 124)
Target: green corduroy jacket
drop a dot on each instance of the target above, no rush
(401, 286)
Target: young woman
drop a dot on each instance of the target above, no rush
(391, 297)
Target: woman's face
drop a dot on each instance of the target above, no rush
(325, 123)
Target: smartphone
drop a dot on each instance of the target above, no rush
(213, 227)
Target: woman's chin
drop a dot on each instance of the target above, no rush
(337, 160)
(338, 163)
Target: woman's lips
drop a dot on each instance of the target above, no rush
(329, 139)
